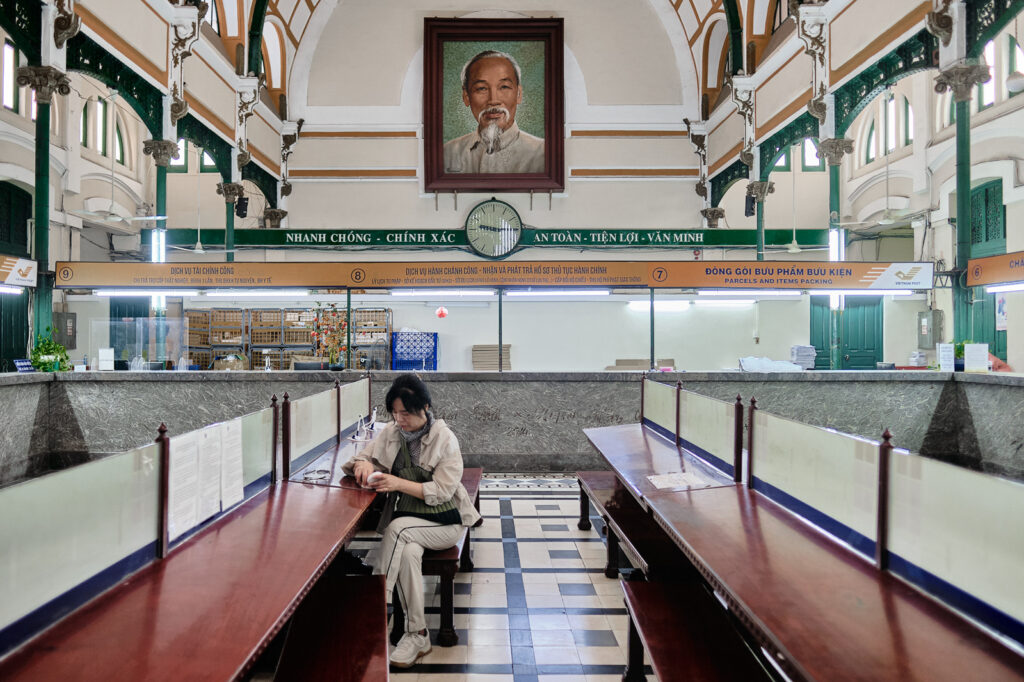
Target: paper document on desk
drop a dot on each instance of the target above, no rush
(682, 479)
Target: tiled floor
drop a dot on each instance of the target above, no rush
(538, 607)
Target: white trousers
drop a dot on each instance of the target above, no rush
(401, 560)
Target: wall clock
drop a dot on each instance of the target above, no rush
(493, 228)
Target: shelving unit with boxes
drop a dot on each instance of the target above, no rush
(228, 332)
(371, 338)
(198, 322)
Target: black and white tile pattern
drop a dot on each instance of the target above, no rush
(538, 607)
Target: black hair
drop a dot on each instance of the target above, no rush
(412, 391)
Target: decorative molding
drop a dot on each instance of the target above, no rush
(721, 183)
(760, 189)
(812, 30)
(940, 23)
(803, 126)
(45, 81)
(742, 94)
(961, 80)
(185, 33)
(162, 151)
(833, 150)
(273, 217)
(67, 24)
(191, 129)
(817, 107)
(697, 132)
(231, 191)
(712, 216)
(286, 188)
(248, 95)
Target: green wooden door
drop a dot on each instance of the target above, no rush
(13, 330)
(821, 317)
(983, 323)
(861, 342)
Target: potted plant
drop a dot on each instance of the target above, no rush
(48, 355)
(958, 355)
(329, 334)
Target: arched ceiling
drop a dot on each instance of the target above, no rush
(686, 28)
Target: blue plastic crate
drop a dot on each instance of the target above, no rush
(414, 351)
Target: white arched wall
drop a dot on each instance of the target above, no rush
(715, 39)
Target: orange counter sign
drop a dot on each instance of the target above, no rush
(1002, 269)
(661, 274)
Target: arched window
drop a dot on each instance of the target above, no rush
(101, 127)
(809, 156)
(83, 125)
(10, 68)
(782, 164)
(207, 164)
(211, 16)
(275, 56)
(1015, 60)
(890, 123)
(987, 90)
(908, 122)
(118, 145)
(180, 164)
(869, 148)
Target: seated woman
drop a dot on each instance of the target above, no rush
(415, 460)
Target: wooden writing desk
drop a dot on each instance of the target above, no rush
(820, 609)
(209, 609)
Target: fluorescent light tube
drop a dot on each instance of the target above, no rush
(659, 306)
(564, 292)
(1001, 288)
(442, 293)
(146, 292)
(861, 292)
(256, 293)
(749, 292)
(4, 289)
(734, 303)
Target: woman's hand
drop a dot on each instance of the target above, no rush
(386, 483)
(361, 470)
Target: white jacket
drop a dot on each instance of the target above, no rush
(439, 454)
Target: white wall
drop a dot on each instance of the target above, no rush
(899, 335)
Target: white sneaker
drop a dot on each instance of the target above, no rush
(412, 647)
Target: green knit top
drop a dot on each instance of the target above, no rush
(445, 513)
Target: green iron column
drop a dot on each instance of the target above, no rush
(962, 80)
(961, 292)
(834, 337)
(45, 81)
(162, 152)
(759, 190)
(232, 192)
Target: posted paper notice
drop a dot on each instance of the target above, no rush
(209, 471)
(232, 490)
(183, 485)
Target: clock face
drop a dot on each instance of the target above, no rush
(493, 228)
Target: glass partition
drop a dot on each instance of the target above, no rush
(829, 478)
(61, 529)
(257, 445)
(708, 426)
(355, 398)
(140, 343)
(314, 421)
(660, 405)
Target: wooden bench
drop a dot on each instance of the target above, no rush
(687, 634)
(445, 563)
(209, 609)
(630, 528)
(339, 633)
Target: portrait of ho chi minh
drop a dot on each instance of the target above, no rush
(492, 89)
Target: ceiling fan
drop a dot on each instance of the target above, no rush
(890, 215)
(199, 249)
(794, 247)
(109, 215)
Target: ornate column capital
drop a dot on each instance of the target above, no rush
(67, 24)
(162, 151)
(231, 191)
(45, 80)
(760, 189)
(961, 80)
(713, 215)
(274, 216)
(833, 149)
